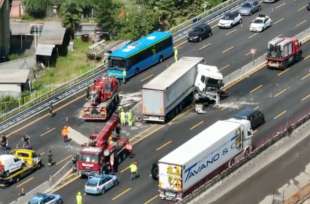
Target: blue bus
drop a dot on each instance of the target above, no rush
(140, 55)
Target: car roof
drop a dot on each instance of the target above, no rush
(245, 112)
(201, 25)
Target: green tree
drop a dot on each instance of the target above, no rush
(71, 11)
(36, 8)
(106, 12)
(138, 22)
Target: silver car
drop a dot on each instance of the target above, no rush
(249, 7)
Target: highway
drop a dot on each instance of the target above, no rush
(279, 107)
(227, 49)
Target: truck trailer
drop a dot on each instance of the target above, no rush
(191, 164)
(172, 90)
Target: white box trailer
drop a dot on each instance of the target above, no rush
(192, 162)
(169, 92)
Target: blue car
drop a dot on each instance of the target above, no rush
(99, 184)
(46, 198)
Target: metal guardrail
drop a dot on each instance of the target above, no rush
(45, 186)
(36, 106)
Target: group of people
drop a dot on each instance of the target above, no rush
(4, 143)
(126, 118)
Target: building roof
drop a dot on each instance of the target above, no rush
(44, 49)
(53, 33)
(199, 143)
(173, 73)
(14, 76)
(20, 28)
(22, 63)
(141, 44)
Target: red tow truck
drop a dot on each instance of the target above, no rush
(283, 52)
(102, 100)
(104, 150)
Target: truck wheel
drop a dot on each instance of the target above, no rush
(231, 163)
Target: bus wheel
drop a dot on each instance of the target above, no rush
(161, 59)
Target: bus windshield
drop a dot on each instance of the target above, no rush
(119, 63)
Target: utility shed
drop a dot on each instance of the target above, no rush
(55, 38)
(15, 76)
(14, 81)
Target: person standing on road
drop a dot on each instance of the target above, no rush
(50, 160)
(133, 171)
(79, 198)
(175, 54)
(65, 133)
(129, 115)
(123, 117)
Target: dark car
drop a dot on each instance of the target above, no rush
(256, 117)
(249, 8)
(199, 33)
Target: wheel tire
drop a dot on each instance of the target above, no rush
(200, 39)
(161, 59)
(116, 183)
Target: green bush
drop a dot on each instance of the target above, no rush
(8, 103)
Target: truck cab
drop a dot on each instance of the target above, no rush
(30, 157)
(208, 86)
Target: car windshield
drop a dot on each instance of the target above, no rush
(92, 182)
(246, 5)
(258, 21)
(228, 16)
(89, 158)
(35, 201)
(197, 29)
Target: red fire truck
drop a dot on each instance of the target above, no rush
(105, 149)
(102, 100)
(283, 52)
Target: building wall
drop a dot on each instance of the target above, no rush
(4, 30)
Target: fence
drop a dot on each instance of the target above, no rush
(50, 183)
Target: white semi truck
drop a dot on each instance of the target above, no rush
(172, 90)
(191, 164)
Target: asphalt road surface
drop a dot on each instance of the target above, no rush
(229, 50)
(282, 96)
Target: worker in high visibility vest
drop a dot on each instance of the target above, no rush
(175, 54)
(123, 117)
(130, 119)
(134, 171)
(65, 133)
(79, 198)
(124, 76)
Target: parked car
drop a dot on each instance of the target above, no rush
(256, 117)
(99, 184)
(229, 20)
(270, 1)
(46, 198)
(249, 7)
(199, 32)
(260, 23)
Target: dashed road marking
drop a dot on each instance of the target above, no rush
(227, 49)
(306, 76)
(47, 131)
(283, 72)
(230, 32)
(151, 199)
(163, 145)
(121, 193)
(305, 98)
(256, 88)
(205, 46)
(278, 21)
(196, 125)
(225, 67)
(302, 8)
(299, 24)
(280, 93)
(280, 114)
(182, 43)
(279, 6)
(253, 35)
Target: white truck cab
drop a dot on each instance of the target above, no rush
(9, 164)
(208, 84)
